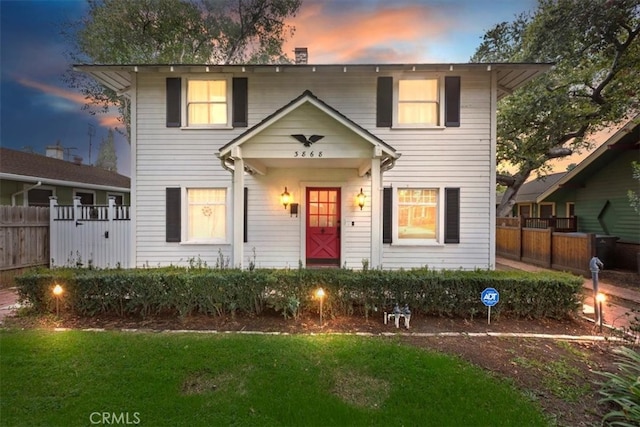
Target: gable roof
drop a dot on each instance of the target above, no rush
(21, 166)
(530, 190)
(308, 97)
(627, 137)
(510, 76)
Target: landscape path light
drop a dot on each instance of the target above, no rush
(320, 296)
(600, 298)
(57, 292)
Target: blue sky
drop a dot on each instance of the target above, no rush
(37, 108)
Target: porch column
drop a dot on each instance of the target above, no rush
(238, 213)
(376, 213)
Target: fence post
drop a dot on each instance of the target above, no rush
(53, 235)
(550, 230)
(77, 209)
(520, 225)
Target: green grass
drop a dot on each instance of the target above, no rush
(160, 379)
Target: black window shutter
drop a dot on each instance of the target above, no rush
(452, 215)
(452, 101)
(384, 102)
(246, 211)
(240, 98)
(174, 94)
(173, 216)
(387, 215)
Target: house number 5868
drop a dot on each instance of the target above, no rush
(307, 154)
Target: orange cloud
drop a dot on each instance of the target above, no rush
(53, 90)
(108, 120)
(352, 35)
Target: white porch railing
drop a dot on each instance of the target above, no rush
(83, 236)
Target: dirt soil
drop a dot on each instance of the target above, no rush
(560, 375)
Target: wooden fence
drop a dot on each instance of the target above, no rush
(24, 240)
(545, 247)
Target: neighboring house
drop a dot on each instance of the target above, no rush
(392, 166)
(28, 179)
(596, 189)
(527, 204)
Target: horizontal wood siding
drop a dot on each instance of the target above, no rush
(451, 157)
(435, 158)
(610, 184)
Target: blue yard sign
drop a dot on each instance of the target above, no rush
(489, 297)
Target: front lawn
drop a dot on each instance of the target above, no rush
(173, 379)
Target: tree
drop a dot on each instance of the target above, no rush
(174, 32)
(107, 158)
(593, 83)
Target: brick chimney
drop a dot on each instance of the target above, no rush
(302, 56)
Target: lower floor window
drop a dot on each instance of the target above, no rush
(39, 196)
(206, 216)
(417, 214)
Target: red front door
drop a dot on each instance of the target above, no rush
(323, 226)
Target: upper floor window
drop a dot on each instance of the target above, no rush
(207, 102)
(418, 102)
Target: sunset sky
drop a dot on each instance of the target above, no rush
(37, 108)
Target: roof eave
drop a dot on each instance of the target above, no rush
(62, 183)
(591, 158)
(119, 78)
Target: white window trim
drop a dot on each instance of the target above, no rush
(29, 187)
(184, 226)
(396, 96)
(553, 208)
(567, 208)
(185, 107)
(439, 239)
(79, 190)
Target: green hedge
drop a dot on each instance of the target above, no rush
(150, 292)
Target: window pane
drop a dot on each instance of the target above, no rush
(417, 213)
(207, 214)
(207, 91)
(418, 113)
(207, 114)
(546, 211)
(418, 90)
(39, 197)
(207, 102)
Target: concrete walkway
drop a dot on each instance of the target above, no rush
(616, 308)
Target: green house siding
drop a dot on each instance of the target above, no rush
(602, 204)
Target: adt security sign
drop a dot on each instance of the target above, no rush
(490, 297)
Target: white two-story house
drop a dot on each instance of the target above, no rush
(391, 166)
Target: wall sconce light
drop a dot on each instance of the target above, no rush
(360, 199)
(285, 198)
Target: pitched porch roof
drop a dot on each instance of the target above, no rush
(273, 143)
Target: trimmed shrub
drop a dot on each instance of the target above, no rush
(183, 291)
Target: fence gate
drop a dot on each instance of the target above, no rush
(84, 236)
